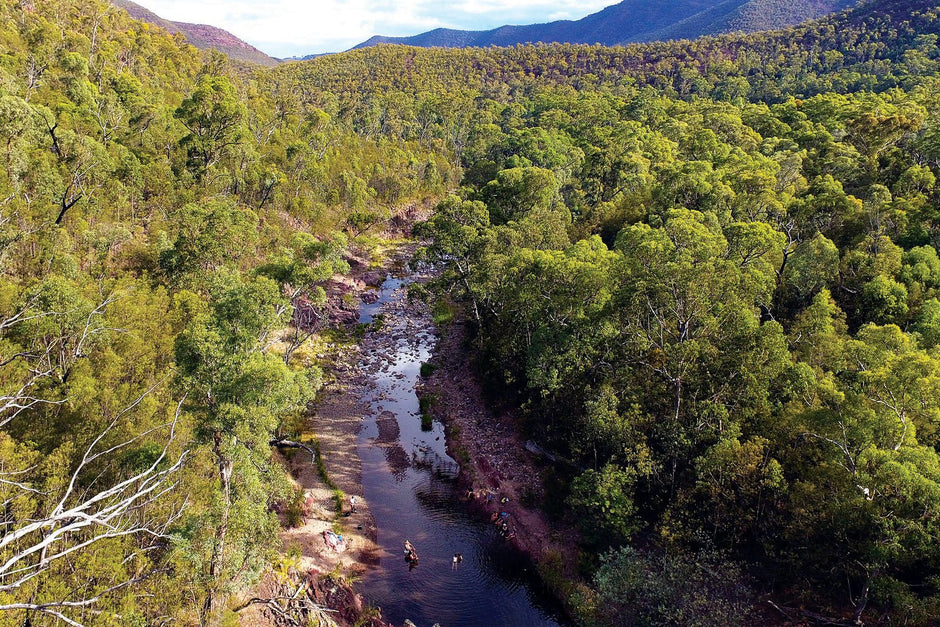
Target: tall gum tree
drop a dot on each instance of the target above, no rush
(240, 393)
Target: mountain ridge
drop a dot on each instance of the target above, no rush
(202, 36)
(634, 21)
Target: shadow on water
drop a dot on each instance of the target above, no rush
(408, 481)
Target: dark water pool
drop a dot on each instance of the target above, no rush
(408, 482)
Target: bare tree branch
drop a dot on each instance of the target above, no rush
(80, 520)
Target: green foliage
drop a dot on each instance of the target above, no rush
(213, 115)
(517, 191)
(603, 500)
(721, 310)
(707, 271)
(635, 588)
(209, 236)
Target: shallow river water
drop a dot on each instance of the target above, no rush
(408, 481)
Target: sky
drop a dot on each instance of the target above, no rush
(284, 28)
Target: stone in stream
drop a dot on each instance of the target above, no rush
(388, 428)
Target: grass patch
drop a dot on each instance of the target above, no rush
(337, 494)
(338, 336)
(427, 422)
(443, 312)
(426, 402)
(427, 369)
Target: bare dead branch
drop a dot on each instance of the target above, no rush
(79, 521)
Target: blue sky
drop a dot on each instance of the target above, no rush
(296, 27)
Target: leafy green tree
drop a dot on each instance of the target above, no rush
(885, 300)
(240, 394)
(517, 191)
(736, 497)
(213, 115)
(927, 323)
(603, 502)
(642, 588)
(811, 267)
(210, 235)
(684, 298)
(457, 235)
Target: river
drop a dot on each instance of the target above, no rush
(409, 482)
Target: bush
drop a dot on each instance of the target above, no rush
(603, 502)
(294, 513)
(640, 588)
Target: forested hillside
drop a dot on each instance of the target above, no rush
(161, 217)
(203, 36)
(880, 45)
(705, 272)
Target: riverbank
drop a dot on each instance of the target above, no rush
(312, 559)
(499, 474)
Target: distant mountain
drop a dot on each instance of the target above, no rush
(634, 21)
(201, 36)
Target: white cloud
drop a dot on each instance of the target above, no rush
(296, 27)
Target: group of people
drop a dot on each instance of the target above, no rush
(500, 518)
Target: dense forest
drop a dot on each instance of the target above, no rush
(163, 215)
(706, 273)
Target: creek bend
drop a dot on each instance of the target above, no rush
(408, 479)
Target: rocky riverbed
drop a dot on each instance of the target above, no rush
(498, 470)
